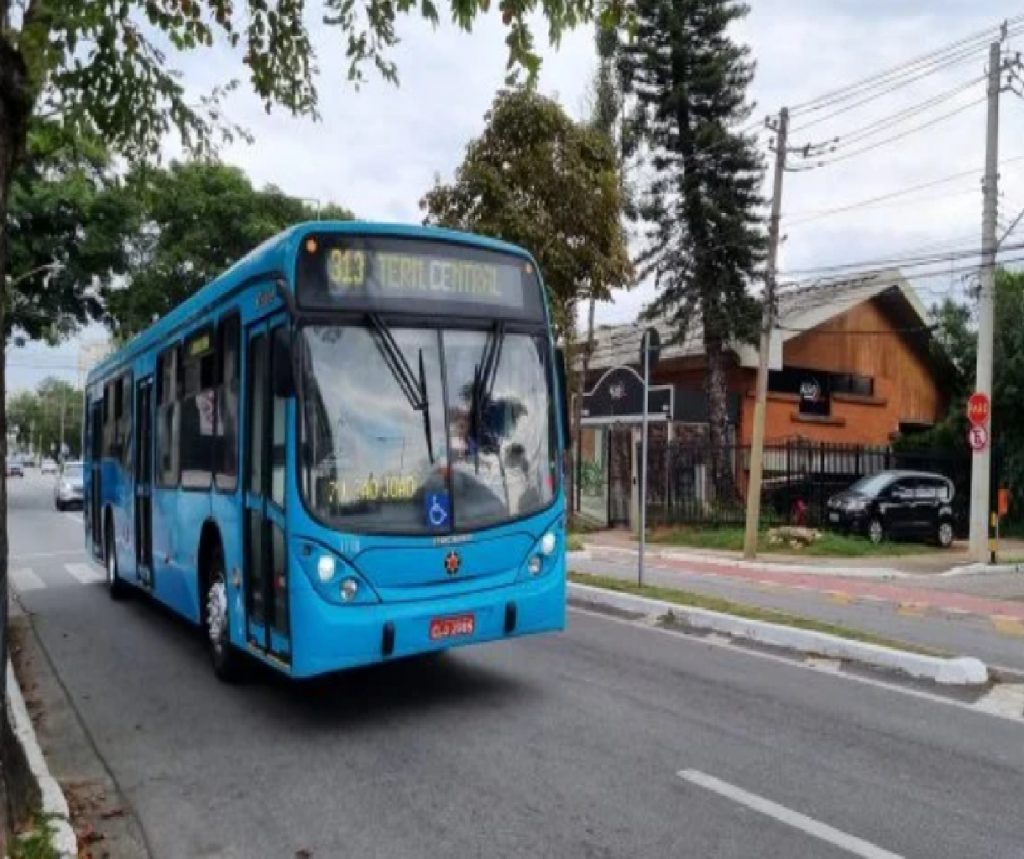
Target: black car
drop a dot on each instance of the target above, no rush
(896, 504)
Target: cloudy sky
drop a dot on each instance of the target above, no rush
(379, 148)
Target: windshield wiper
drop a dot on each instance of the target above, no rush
(484, 376)
(414, 389)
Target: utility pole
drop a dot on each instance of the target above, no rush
(767, 324)
(981, 460)
(63, 409)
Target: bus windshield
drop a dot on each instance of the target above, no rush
(391, 442)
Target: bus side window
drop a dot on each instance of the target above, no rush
(279, 405)
(107, 448)
(167, 419)
(196, 410)
(226, 433)
(125, 426)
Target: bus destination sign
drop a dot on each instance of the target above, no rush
(414, 275)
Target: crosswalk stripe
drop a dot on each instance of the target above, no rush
(87, 574)
(26, 580)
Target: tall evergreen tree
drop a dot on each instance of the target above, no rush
(685, 80)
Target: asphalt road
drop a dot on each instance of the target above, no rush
(964, 635)
(609, 740)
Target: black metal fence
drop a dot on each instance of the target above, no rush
(692, 483)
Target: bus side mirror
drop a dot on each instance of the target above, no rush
(283, 376)
(563, 392)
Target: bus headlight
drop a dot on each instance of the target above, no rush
(349, 589)
(534, 565)
(548, 543)
(325, 567)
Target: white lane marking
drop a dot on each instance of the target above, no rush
(26, 580)
(810, 826)
(63, 553)
(799, 664)
(87, 574)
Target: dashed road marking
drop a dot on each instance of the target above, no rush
(840, 597)
(912, 609)
(26, 580)
(808, 825)
(87, 574)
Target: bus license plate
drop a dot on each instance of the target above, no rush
(452, 627)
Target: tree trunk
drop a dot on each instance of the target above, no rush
(717, 392)
(15, 107)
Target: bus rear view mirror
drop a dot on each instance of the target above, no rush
(283, 377)
(563, 392)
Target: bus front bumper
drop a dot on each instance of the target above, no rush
(330, 637)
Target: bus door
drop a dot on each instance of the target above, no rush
(265, 562)
(144, 480)
(95, 500)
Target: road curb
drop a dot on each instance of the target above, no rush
(959, 670)
(979, 569)
(54, 806)
(591, 553)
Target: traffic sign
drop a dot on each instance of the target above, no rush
(977, 437)
(978, 409)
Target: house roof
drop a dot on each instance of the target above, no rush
(800, 308)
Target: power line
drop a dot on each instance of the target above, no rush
(886, 141)
(956, 51)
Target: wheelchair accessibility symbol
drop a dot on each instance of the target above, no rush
(438, 509)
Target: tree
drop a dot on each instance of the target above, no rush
(956, 342)
(686, 82)
(47, 416)
(538, 179)
(194, 219)
(101, 66)
(67, 226)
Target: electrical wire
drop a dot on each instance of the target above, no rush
(931, 60)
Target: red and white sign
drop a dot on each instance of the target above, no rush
(977, 437)
(452, 627)
(978, 409)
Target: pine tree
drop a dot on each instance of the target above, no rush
(686, 81)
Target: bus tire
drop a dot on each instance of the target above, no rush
(224, 656)
(116, 587)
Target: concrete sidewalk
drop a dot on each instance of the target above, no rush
(926, 563)
(969, 594)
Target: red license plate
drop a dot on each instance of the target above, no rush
(452, 627)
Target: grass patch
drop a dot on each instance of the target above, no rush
(573, 542)
(34, 843)
(750, 612)
(829, 545)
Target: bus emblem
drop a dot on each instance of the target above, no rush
(452, 562)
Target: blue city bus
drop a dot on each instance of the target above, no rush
(345, 449)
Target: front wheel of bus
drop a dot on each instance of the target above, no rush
(224, 656)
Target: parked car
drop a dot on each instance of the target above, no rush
(48, 466)
(15, 468)
(29, 461)
(915, 504)
(69, 487)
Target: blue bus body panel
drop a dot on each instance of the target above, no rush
(326, 633)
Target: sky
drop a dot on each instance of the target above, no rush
(377, 149)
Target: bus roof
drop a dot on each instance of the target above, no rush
(275, 255)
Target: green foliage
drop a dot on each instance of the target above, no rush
(37, 416)
(538, 179)
(956, 336)
(64, 225)
(686, 81)
(192, 221)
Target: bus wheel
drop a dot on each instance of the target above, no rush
(115, 586)
(224, 656)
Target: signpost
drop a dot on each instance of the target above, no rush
(650, 352)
